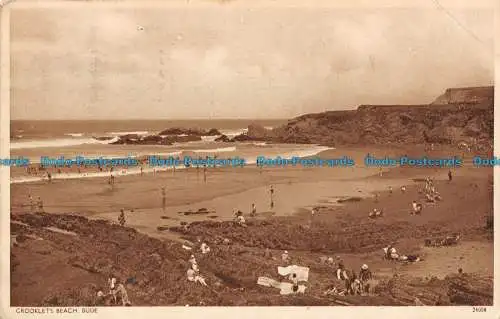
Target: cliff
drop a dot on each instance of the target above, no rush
(459, 115)
(482, 94)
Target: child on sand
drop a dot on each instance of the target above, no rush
(285, 257)
(121, 218)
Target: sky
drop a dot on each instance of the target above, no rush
(241, 59)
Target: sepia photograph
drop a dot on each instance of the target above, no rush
(201, 153)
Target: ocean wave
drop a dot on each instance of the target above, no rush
(123, 172)
(176, 153)
(215, 150)
(234, 132)
(314, 150)
(209, 138)
(74, 134)
(58, 142)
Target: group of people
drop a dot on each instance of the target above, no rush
(193, 272)
(375, 213)
(355, 283)
(117, 292)
(431, 193)
(240, 219)
(390, 253)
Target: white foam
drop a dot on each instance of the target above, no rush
(309, 151)
(122, 172)
(176, 153)
(74, 134)
(215, 150)
(234, 132)
(209, 138)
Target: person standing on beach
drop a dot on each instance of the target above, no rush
(254, 210)
(313, 211)
(142, 170)
(163, 199)
(40, 205)
(49, 177)
(204, 173)
(450, 177)
(340, 267)
(31, 203)
(271, 192)
(295, 283)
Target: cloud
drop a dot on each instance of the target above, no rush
(229, 61)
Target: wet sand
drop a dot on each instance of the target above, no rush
(296, 188)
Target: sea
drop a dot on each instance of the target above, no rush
(71, 138)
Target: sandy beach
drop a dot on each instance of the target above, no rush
(226, 189)
(337, 229)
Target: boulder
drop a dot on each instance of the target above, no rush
(223, 138)
(213, 132)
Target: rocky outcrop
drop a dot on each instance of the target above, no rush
(462, 115)
(189, 131)
(454, 289)
(482, 94)
(155, 139)
(102, 138)
(155, 269)
(223, 138)
(167, 137)
(213, 132)
(255, 132)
